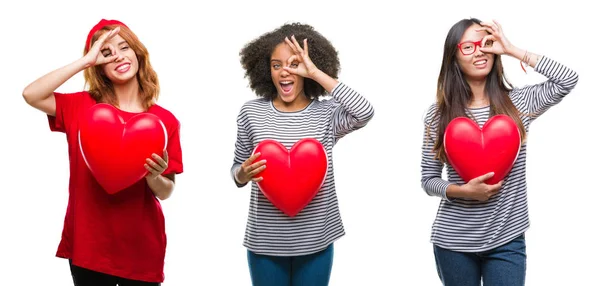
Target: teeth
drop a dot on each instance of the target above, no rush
(123, 67)
(480, 62)
(286, 82)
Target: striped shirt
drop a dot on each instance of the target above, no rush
(269, 231)
(472, 226)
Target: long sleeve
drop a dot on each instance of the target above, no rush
(431, 168)
(353, 112)
(540, 97)
(243, 147)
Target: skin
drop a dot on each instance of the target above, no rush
(110, 51)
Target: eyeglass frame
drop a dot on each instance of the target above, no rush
(477, 44)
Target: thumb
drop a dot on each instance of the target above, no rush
(485, 177)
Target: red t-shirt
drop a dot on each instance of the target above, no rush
(121, 234)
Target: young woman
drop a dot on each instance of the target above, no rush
(118, 238)
(289, 78)
(478, 233)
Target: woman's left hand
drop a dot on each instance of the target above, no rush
(501, 45)
(157, 166)
(300, 63)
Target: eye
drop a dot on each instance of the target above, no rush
(489, 43)
(294, 65)
(276, 66)
(106, 52)
(124, 48)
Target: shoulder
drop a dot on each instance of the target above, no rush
(166, 116)
(254, 105)
(431, 114)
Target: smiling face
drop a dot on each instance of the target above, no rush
(475, 64)
(125, 67)
(290, 87)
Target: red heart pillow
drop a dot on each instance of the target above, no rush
(292, 178)
(474, 152)
(116, 150)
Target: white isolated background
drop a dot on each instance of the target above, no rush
(390, 52)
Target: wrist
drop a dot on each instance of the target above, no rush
(516, 53)
(236, 176)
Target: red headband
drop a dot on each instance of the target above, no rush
(103, 23)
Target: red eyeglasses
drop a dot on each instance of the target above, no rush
(468, 48)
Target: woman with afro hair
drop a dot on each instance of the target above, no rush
(289, 79)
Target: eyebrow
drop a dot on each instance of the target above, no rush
(275, 60)
(123, 42)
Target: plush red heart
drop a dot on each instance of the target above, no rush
(292, 178)
(474, 152)
(116, 150)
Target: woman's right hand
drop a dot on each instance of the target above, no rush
(477, 189)
(102, 52)
(249, 169)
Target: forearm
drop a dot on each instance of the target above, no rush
(234, 172)
(162, 186)
(527, 57)
(326, 81)
(43, 88)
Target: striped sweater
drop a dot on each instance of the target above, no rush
(269, 231)
(472, 226)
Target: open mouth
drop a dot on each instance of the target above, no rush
(286, 86)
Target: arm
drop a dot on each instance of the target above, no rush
(244, 168)
(540, 97)
(354, 111)
(40, 93)
(431, 168)
(162, 186)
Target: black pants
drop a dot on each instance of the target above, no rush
(86, 277)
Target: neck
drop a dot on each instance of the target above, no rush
(298, 104)
(478, 97)
(128, 96)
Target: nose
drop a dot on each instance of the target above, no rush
(120, 56)
(284, 73)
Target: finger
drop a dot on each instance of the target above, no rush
(487, 29)
(151, 170)
(258, 164)
(110, 48)
(257, 170)
(166, 156)
(160, 161)
(485, 39)
(287, 40)
(251, 159)
(485, 177)
(257, 179)
(108, 35)
(153, 164)
(292, 59)
(306, 47)
(298, 47)
(498, 25)
(496, 187)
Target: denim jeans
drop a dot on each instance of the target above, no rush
(307, 270)
(502, 266)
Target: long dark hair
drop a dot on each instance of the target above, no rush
(454, 93)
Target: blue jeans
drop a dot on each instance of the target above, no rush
(313, 269)
(503, 265)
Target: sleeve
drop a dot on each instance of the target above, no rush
(540, 97)
(175, 164)
(243, 147)
(431, 168)
(66, 107)
(352, 113)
